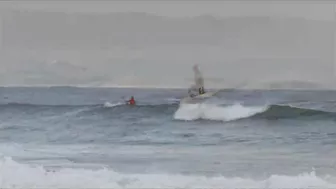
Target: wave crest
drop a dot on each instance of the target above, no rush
(190, 112)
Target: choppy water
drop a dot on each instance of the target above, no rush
(86, 138)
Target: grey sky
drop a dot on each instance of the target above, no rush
(53, 51)
(310, 9)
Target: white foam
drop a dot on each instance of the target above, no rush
(173, 100)
(17, 175)
(110, 105)
(215, 112)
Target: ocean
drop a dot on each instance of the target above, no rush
(67, 137)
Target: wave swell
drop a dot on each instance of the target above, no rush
(290, 112)
(187, 112)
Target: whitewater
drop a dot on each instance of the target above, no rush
(63, 137)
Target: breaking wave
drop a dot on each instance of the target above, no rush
(17, 175)
(215, 112)
(190, 112)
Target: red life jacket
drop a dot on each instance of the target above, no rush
(132, 101)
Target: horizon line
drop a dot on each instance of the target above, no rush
(158, 87)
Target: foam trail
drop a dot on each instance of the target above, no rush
(173, 100)
(110, 105)
(16, 175)
(214, 112)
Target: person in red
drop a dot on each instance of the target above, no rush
(131, 101)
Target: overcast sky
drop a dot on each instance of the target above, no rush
(179, 57)
(321, 10)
